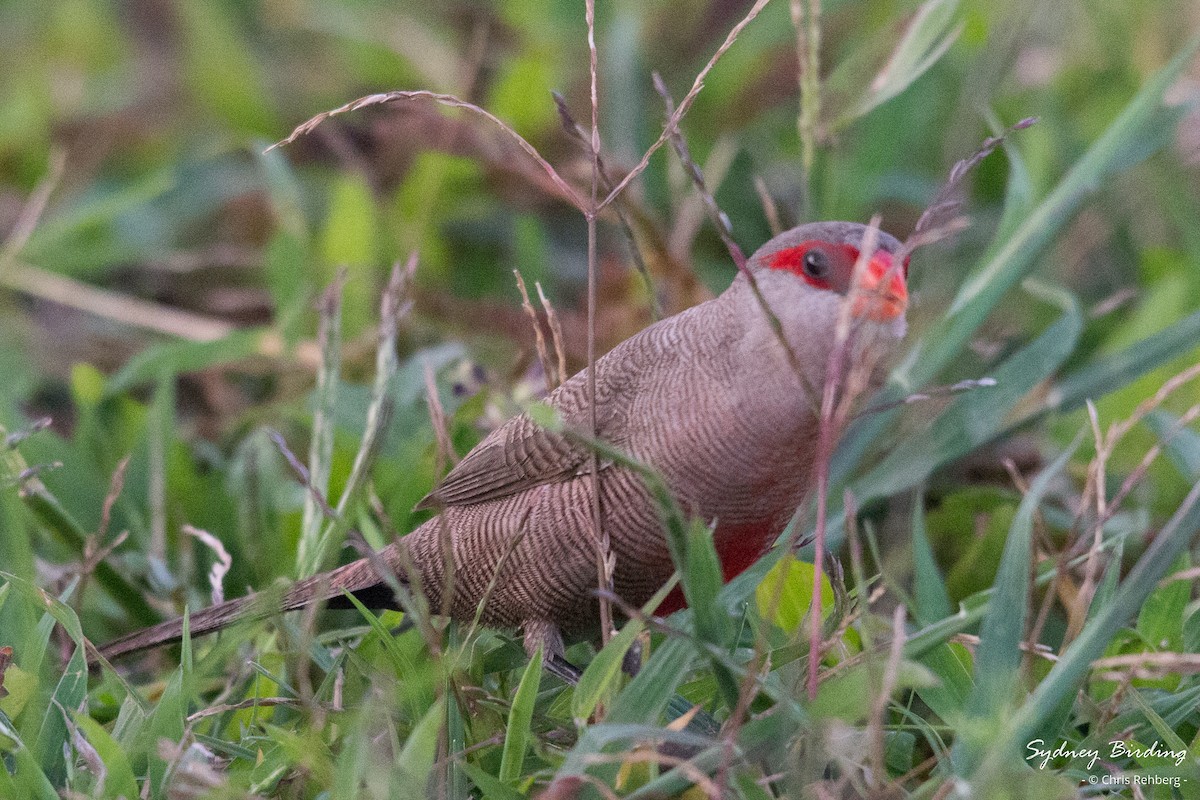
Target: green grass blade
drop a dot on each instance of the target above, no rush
(179, 357)
(351, 763)
(379, 415)
(1107, 374)
(926, 39)
(71, 690)
(1182, 444)
(489, 785)
(451, 774)
(330, 533)
(1166, 733)
(420, 748)
(54, 517)
(933, 602)
(168, 718)
(520, 716)
(702, 580)
(1144, 124)
(28, 780)
(119, 779)
(1018, 193)
(757, 735)
(998, 657)
(647, 695)
(600, 675)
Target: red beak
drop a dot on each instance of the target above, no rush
(881, 295)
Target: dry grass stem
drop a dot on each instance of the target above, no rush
(556, 333)
(301, 472)
(1139, 472)
(769, 207)
(686, 103)
(940, 217)
(306, 127)
(539, 339)
(220, 568)
(576, 132)
(721, 222)
(106, 304)
(693, 773)
(31, 212)
(437, 417)
(1147, 666)
(806, 19)
(718, 217)
(253, 702)
(832, 418)
(605, 557)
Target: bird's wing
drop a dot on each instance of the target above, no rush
(522, 454)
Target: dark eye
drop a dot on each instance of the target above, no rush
(816, 264)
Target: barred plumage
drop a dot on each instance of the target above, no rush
(707, 398)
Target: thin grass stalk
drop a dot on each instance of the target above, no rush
(604, 556)
(556, 333)
(769, 206)
(306, 127)
(576, 131)
(720, 221)
(31, 212)
(879, 704)
(437, 418)
(320, 451)
(685, 104)
(539, 339)
(162, 421)
(827, 435)
(806, 18)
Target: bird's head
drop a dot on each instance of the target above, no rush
(806, 273)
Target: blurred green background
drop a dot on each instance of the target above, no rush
(194, 258)
(160, 268)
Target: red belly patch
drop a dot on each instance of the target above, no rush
(737, 546)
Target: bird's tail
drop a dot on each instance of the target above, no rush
(359, 577)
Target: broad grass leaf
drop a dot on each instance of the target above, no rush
(976, 417)
(645, 697)
(602, 672)
(1142, 126)
(416, 758)
(932, 600)
(925, 40)
(221, 70)
(1181, 444)
(951, 665)
(489, 785)
(1160, 619)
(520, 717)
(119, 780)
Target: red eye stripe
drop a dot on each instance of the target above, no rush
(792, 260)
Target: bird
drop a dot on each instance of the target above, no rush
(718, 400)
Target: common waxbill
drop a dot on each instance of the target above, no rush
(709, 398)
